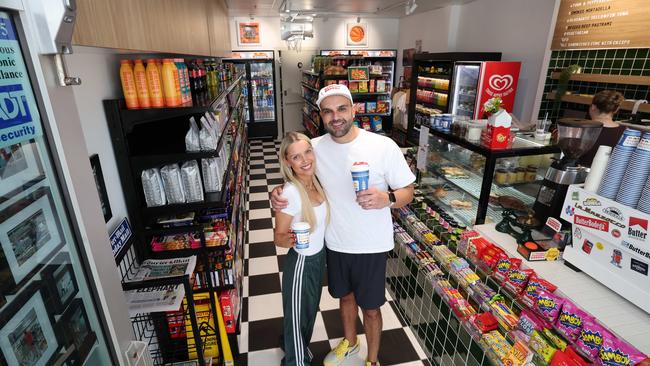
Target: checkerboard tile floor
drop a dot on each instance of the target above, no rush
(262, 303)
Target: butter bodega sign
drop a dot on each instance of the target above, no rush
(19, 118)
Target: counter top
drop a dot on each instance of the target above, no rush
(625, 319)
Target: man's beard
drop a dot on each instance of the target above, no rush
(339, 133)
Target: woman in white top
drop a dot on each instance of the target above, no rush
(303, 268)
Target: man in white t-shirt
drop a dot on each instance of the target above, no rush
(360, 232)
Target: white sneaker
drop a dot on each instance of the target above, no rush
(341, 352)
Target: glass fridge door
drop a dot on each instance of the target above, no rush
(47, 313)
(262, 89)
(465, 90)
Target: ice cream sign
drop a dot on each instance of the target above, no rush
(498, 79)
(19, 118)
(500, 85)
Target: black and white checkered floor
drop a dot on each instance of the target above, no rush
(262, 304)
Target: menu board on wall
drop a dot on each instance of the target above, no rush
(597, 24)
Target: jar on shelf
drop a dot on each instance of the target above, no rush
(531, 173)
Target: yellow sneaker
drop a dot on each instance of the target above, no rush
(341, 352)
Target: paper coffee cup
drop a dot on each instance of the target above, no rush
(360, 176)
(301, 229)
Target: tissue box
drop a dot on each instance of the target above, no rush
(498, 130)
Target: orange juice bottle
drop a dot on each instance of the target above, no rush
(159, 66)
(171, 86)
(128, 85)
(141, 84)
(155, 85)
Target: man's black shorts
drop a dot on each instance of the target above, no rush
(362, 274)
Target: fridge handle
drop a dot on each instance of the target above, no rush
(62, 72)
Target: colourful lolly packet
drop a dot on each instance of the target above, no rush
(591, 338)
(503, 267)
(615, 352)
(517, 279)
(529, 322)
(529, 296)
(549, 305)
(569, 323)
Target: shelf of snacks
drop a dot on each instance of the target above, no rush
(310, 73)
(513, 314)
(309, 87)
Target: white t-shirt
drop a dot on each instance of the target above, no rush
(353, 229)
(317, 237)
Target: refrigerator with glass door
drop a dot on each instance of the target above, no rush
(260, 110)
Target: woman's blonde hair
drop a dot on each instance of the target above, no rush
(307, 212)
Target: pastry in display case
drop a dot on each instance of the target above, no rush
(476, 184)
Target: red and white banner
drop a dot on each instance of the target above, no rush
(498, 79)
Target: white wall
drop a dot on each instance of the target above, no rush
(328, 34)
(519, 30)
(432, 28)
(98, 69)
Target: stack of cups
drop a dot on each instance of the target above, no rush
(636, 174)
(617, 164)
(598, 166)
(644, 201)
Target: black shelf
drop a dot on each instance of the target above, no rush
(132, 117)
(432, 105)
(309, 87)
(310, 103)
(335, 77)
(373, 114)
(435, 76)
(502, 153)
(443, 91)
(368, 94)
(310, 73)
(312, 122)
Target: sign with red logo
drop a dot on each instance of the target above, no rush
(616, 233)
(591, 223)
(637, 228)
(498, 79)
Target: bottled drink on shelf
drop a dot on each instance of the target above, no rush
(202, 75)
(183, 81)
(171, 84)
(155, 84)
(128, 85)
(141, 88)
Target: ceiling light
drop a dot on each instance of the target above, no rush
(287, 10)
(410, 7)
(313, 15)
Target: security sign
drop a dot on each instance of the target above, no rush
(19, 118)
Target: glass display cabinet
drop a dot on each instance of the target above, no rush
(475, 183)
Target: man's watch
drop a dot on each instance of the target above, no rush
(391, 198)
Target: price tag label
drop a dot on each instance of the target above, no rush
(423, 148)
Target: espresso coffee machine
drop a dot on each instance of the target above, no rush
(575, 138)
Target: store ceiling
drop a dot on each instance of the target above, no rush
(334, 8)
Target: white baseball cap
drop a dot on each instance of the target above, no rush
(333, 89)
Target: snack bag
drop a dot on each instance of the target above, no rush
(529, 322)
(353, 86)
(549, 305)
(363, 86)
(591, 338)
(575, 357)
(371, 107)
(569, 323)
(504, 266)
(518, 355)
(359, 108)
(192, 137)
(542, 346)
(517, 280)
(615, 352)
(529, 296)
(555, 339)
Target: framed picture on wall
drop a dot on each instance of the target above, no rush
(30, 232)
(27, 336)
(19, 165)
(356, 35)
(74, 328)
(101, 187)
(248, 33)
(61, 283)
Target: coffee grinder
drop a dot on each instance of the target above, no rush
(575, 138)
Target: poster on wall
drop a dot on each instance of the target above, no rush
(248, 33)
(356, 35)
(19, 118)
(602, 24)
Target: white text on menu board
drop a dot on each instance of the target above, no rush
(18, 112)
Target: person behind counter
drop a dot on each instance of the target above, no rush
(603, 107)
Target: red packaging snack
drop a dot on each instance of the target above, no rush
(517, 280)
(576, 358)
(529, 296)
(504, 266)
(615, 352)
(569, 323)
(491, 255)
(591, 339)
(549, 305)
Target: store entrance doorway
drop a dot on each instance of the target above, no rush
(292, 101)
